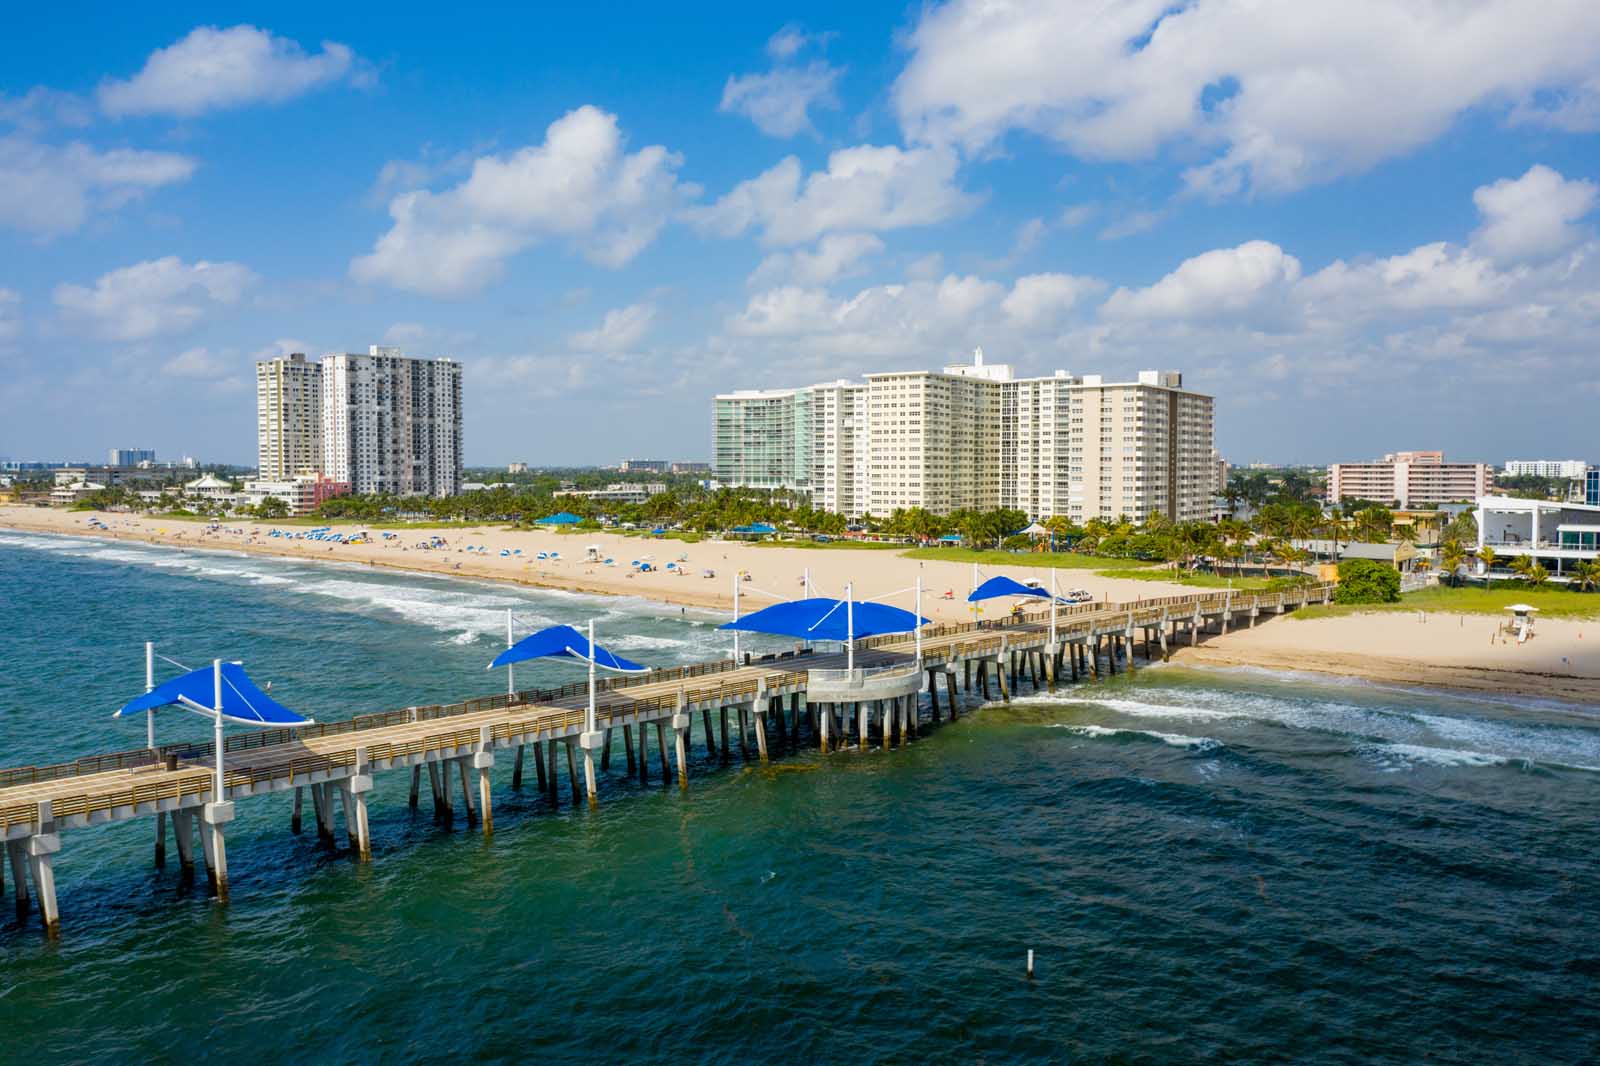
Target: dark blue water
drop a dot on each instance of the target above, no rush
(1227, 866)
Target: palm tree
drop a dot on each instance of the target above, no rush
(1488, 558)
(1588, 574)
(1521, 565)
(1536, 575)
(1451, 556)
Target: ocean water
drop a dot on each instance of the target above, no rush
(1209, 865)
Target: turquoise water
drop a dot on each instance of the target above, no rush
(1230, 866)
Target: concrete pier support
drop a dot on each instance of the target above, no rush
(538, 766)
(724, 734)
(516, 770)
(161, 831)
(213, 816)
(441, 795)
(627, 744)
(705, 721)
(18, 857)
(548, 778)
(661, 750)
(466, 788)
(680, 730)
(760, 717)
(863, 712)
(605, 753)
(589, 743)
(416, 787)
(183, 834)
(572, 767)
(1005, 689)
(355, 789)
(41, 849)
(483, 762)
(824, 721)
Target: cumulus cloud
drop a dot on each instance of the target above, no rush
(779, 102)
(1220, 282)
(838, 255)
(1039, 298)
(1532, 216)
(152, 298)
(865, 188)
(580, 184)
(212, 69)
(621, 329)
(1277, 95)
(49, 189)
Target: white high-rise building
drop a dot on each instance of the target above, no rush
(974, 436)
(1567, 468)
(288, 417)
(392, 424)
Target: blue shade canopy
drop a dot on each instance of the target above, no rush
(820, 618)
(564, 642)
(756, 527)
(242, 701)
(996, 587)
(563, 518)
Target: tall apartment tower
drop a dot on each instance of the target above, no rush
(392, 424)
(288, 416)
(974, 436)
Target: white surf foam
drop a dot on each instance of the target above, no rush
(1176, 740)
(1402, 756)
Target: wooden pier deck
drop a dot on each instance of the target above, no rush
(799, 693)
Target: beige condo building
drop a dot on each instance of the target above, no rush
(288, 416)
(975, 436)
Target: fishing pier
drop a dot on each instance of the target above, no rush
(884, 691)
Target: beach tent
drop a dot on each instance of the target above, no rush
(755, 528)
(823, 618)
(564, 642)
(950, 538)
(220, 692)
(562, 518)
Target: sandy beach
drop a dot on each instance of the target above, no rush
(775, 573)
(1435, 649)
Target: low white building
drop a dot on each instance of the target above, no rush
(1567, 468)
(1556, 535)
(209, 487)
(620, 492)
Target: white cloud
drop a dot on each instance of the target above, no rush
(1216, 283)
(1039, 298)
(10, 314)
(41, 107)
(212, 69)
(1078, 215)
(1532, 216)
(838, 255)
(789, 41)
(195, 363)
(779, 102)
(580, 184)
(1278, 95)
(47, 189)
(286, 346)
(621, 329)
(1429, 277)
(1132, 223)
(155, 297)
(864, 188)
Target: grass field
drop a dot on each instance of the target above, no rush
(1043, 560)
(1474, 599)
(841, 545)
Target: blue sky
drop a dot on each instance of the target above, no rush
(1363, 226)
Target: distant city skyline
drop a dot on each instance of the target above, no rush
(1347, 220)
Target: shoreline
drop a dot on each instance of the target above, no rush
(1456, 652)
(1408, 673)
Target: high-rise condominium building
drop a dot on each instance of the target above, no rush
(392, 424)
(1409, 479)
(288, 417)
(1567, 468)
(974, 436)
(129, 456)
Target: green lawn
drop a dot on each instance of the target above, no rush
(1475, 599)
(846, 545)
(1196, 580)
(1044, 560)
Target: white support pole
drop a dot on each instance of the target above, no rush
(808, 582)
(736, 614)
(511, 668)
(918, 611)
(589, 725)
(1052, 606)
(149, 686)
(216, 731)
(850, 626)
(973, 605)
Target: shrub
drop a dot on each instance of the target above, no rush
(1367, 581)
